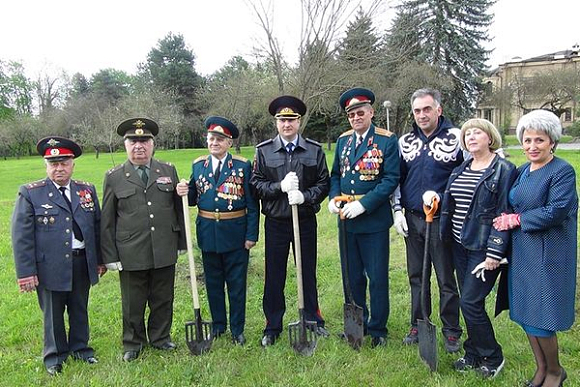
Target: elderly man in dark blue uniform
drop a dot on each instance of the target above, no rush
(366, 168)
(289, 170)
(226, 225)
(55, 238)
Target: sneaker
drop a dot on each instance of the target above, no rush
(452, 344)
(464, 364)
(322, 332)
(412, 337)
(489, 371)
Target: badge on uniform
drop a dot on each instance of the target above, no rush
(86, 199)
(163, 180)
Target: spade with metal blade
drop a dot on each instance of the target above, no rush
(302, 333)
(353, 315)
(427, 330)
(198, 332)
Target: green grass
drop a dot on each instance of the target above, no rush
(334, 363)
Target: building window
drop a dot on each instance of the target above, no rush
(568, 114)
(487, 114)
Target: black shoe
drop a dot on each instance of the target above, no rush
(322, 332)
(452, 344)
(465, 364)
(55, 369)
(378, 342)
(216, 334)
(488, 371)
(130, 355)
(89, 359)
(412, 337)
(268, 340)
(167, 346)
(239, 339)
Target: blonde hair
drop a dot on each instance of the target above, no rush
(487, 127)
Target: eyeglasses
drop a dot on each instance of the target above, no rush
(359, 113)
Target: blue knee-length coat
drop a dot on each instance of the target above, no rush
(542, 272)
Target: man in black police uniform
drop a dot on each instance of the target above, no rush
(142, 230)
(226, 225)
(289, 170)
(55, 238)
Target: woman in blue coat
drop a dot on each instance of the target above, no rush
(542, 273)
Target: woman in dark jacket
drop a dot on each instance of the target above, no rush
(476, 193)
(542, 271)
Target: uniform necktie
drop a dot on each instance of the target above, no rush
(144, 174)
(218, 171)
(76, 229)
(290, 147)
(359, 140)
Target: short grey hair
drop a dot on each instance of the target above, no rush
(542, 121)
(420, 93)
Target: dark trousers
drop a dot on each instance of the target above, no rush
(140, 288)
(480, 343)
(442, 261)
(57, 346)
(368, 256)
(279, 237)
(229, 269)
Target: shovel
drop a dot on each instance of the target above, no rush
(427, 331)
(302, 333)
(198, 332)
(352, 313)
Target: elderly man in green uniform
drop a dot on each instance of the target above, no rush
(55, 237)
(142, 231)
(366, 168)
(226, 225)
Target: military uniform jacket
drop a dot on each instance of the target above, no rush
(42, 230)
(371, 170)
(142, 226)
(273, 163)
(230, 193)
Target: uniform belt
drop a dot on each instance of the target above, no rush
(78, 252)
(217, 216)
(353, 197)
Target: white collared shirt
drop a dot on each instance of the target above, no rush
(76, 244)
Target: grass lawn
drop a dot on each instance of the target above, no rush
(334, 363)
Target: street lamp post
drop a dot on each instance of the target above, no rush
(387, 105)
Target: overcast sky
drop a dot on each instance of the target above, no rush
(85, 37)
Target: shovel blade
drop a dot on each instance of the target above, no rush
(198, 336)
(353, 325)
(428, 343)
(303, 337)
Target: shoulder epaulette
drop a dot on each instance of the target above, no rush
(240, 158)
(264, 142)
(383, 132)
(81, 182)
(313, 142)
(347, 133)
(200, 158)
(165, 162)
(36, 184)
(115, 168)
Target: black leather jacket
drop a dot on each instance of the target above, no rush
(273, 163)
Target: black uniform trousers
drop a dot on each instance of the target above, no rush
(57, 346)
(226, 269)
(153, 287)
(441, 257)
(279, 237)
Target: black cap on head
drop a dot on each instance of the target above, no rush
(356, 97)
(287, 106)
(56, 148)
(138, 128)
(221, 126)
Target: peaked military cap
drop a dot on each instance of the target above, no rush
(356, 97)
(56, 148)
(138, 128)
(221, 126)
(287, 106)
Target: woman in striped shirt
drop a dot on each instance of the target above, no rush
(476, 193)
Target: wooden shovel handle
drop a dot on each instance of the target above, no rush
(298, 255)
(192, 277)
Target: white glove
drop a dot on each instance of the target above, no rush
(290, 182)
(295, 197)
(400, 224)
(114, 266)
(428, 198)
(353, 209)
(479, 270)
(332, 208)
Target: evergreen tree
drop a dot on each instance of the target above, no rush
(451, 34)
(360, 46)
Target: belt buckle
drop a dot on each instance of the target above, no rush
(217, 216)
